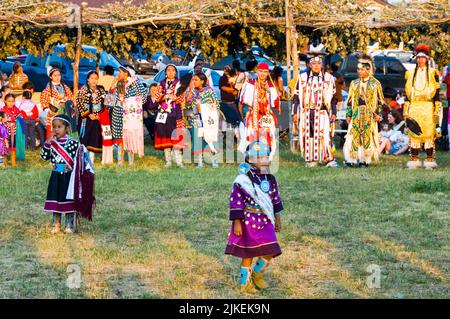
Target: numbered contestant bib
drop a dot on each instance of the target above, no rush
(210, 117)
(132, 112)
(267, 122)
(210, 120)
(107, 134)
(161, 118)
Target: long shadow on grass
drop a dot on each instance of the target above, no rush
(378, 203)
(24, 272)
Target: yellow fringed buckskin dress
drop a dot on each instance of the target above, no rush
(422, 105)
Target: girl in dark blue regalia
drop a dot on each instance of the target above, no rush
(71, 177)
(255, 207)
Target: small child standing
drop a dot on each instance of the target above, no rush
(255, 207)
(30, 114)
(71, 186)
(11, 113)
(60, 150)
(3, 140)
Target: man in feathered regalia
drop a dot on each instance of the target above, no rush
(422, 108)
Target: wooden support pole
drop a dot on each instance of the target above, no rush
(78, 48)
(288, 41)
(294, 39)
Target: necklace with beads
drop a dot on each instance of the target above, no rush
(264, 184)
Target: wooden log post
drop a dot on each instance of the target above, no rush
(78, 48)
(292, 64)
(288, 41)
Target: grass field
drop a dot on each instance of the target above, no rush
(161, 233)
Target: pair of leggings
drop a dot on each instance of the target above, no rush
(41, 133)
(70, 220)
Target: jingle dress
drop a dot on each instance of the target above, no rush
(256, 208)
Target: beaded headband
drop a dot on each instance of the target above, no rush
(257, 149)
(61, 119)
(316, 59)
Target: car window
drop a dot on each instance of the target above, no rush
(352, 65)
(394, 67)
(55, 61)
(108, 59)
(35, 60)
(379, 67)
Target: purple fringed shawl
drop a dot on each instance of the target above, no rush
(84, 178)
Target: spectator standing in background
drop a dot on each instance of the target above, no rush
(228, 94)
(277, 78)
(106, 78)
(17, 79)
(30, 114)
(445, 122)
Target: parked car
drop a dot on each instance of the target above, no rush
(183, 70)
(388, 70)
(141, 65)
(35, 67)
(144, 66)
(405, 57)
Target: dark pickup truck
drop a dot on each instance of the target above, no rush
(388, 70)
(35, 67)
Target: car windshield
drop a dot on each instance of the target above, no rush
(108, 59)
(403, 57)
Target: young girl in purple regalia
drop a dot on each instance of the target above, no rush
(3, 140)
(255, 207)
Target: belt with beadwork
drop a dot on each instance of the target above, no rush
(61, 168)
(251, 209)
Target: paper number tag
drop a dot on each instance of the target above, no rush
(107, 132)
(266, 121)
(161, 118)
(210, 121)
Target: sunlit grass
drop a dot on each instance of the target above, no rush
(161, 233)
